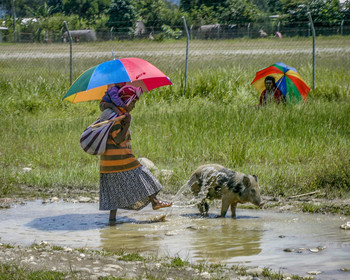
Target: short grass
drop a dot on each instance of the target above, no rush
(292, 149)
(14, 272)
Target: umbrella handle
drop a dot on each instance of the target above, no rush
(108, 121)
(280, 81)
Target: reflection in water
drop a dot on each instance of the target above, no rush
(186, 236)
(69, 222)
(228, 239)
(130, 237)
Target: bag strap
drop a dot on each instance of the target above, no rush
(96, 125)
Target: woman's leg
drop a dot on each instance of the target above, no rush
(112, 215)
(157, 204)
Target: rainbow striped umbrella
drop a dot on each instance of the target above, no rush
(93, 83)
(287, 79)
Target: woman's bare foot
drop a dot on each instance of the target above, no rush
(157, 204)
(161, 204)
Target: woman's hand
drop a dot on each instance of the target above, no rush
(125, 124)
(127, 119)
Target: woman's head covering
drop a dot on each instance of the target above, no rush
(129, 94)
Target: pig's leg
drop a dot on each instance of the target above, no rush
(203, 207)
(225, 203)
(206, 207)
(233, 209)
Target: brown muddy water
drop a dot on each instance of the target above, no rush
(288, 242)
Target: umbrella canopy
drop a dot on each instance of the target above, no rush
(93, 83)
(287, 79)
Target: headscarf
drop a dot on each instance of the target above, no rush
(129, 94)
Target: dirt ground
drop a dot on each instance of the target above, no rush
(89, 264)
(93, 264)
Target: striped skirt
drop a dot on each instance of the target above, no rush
(128, 189)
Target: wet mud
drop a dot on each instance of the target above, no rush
(295, 243)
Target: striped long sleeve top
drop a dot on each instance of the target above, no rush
(118, 157)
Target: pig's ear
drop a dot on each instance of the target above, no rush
(246, 181)
(256, 178)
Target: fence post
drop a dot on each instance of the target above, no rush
(71, 53)
(341, 27)
(313, 50)
(248, 29)
(14, 21)
(111, 32)
(188, 37)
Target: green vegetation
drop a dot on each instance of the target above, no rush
(178, 262)
(131, 257)
(292, 149)
(278, 276)
(15, 272)
(325, 208)
(122, 15)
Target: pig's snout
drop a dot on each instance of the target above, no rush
(258, 203)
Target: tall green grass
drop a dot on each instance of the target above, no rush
(292, 149)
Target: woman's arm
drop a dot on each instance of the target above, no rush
(262, 97)
(106, 105)
(125, 124)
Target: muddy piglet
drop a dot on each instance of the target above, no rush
(213, 181)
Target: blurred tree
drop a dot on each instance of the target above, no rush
(261, 4)
(274, 6)
(295, 10)
(189, 6)
(346, 11)
(204, 15)
(56, 6)
(269, 6)
(238, 12)
(25, 8)
(324, 12)
(122, 15)
(172, 16)
(43, 11)
(22, 6)
(151, 12)
(87, 9)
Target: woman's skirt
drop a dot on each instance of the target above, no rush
(128, 189)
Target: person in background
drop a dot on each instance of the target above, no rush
(124, 182)
(278, 35)
(271, 92)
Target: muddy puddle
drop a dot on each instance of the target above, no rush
(286, 242)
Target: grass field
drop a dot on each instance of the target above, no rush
(292, 149)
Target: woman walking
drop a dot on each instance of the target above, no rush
(124, 182)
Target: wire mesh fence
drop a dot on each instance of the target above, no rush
(211, 31)
(220, 47)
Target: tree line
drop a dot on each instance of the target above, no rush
(122, 15)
